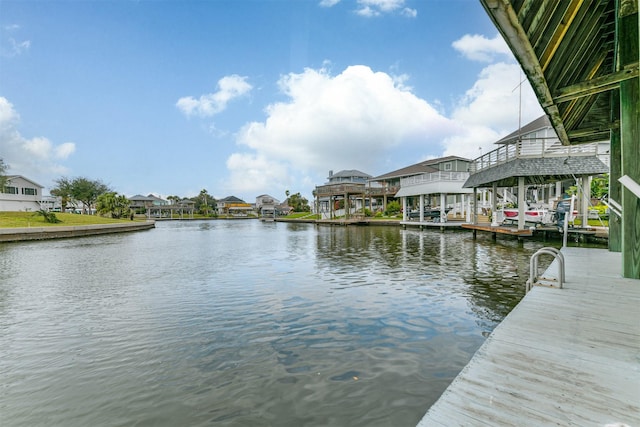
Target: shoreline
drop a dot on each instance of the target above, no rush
(20, 234)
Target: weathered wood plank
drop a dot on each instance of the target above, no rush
(565, 357)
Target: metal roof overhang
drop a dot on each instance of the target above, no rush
(567, 50)
(438, 187)
(537, 171)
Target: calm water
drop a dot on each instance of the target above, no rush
(242, 323)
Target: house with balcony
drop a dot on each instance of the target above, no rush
(234, 206)
(532, 166)
(21, 194)
(343, 195)
(267, 206)
(431, 189)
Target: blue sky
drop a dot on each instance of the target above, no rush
(243, 97)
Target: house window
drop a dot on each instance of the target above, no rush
(29, 191)
(11, 190)
(447, 166)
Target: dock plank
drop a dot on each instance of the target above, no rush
(567, 357)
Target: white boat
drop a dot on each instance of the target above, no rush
(538, 215)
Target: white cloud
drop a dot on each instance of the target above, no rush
(491, 109)
(366, 120)
(479, 48)
(210, 104)
(371, 8)
(329, 3)
(63, 151)
(410, 13)
(354, 120)
(12, 47)
(36, 158)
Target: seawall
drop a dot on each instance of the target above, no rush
(60, 232)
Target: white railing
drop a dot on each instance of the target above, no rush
(530, 149)
(434, 177)
(534, 278)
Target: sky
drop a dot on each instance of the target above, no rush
(249, 97)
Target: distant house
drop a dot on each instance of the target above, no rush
(20, 194)
(343, 194)
(156, 207)
(266, 205)
(234, 206)
(140, 203)
(434, 183)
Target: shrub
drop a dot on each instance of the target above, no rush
(48, 216)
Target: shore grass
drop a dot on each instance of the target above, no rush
(31, 219)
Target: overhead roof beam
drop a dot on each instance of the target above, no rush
(597, 85)
(559, 33)
(506, 20)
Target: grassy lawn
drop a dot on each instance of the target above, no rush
(592, 222)
(30, 219)
(305, 215)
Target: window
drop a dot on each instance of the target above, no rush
(29, 191)
(447, 166)
(11, 190)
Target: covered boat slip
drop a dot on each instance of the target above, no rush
(562, 357)
(581, 58)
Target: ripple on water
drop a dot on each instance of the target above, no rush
(243, 323)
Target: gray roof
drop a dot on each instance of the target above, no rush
(537, 171)
(232, 199)
(426, 166)
(541, 122)
(140, 198)
(350, 173)
(10, 177)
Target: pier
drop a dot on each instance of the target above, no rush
(567, 356)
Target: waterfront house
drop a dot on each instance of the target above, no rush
(21, 194)
(266, 205)
(343, 194)
(430, 184)
(531, 167)
(234, 206)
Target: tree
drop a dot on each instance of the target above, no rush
(393, 208)
(204, 203)
(3, 178)
(62, 190)
(87, 191)
(112, 203)
(80, 189)
(600, 186)
(298, 203)
(173, 199)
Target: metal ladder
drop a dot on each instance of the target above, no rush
(534, 278)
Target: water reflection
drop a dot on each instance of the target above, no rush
(239, 323)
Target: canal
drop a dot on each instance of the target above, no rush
(244, 323)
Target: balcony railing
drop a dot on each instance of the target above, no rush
(530, 149)
(434, 177)
(366, 189)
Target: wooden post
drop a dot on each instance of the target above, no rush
(494, 203)
(615, 222)
(474, 212)
(586, 198)
(521, 202)
(627, 42)
(421, 208)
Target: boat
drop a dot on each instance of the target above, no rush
(537, 215)
(430, 214)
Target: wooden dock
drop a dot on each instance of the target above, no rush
(499, 229)
(562, 357)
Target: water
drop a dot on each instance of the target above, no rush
(243, 323)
